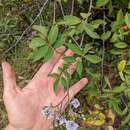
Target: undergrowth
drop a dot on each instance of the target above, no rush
(98, 33)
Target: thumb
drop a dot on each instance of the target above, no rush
(9, 79)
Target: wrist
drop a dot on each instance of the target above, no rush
(42, 125)
(10, 127)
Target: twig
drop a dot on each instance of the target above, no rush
(103, 55)
(72, 8)
(90, 5)
(61, 7)
(54, 12)
(41, 10)
(82, 39)
(90, 8)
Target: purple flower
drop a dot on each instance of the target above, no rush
(75, 103)
(71, 125)
(47, 112)
(61, 120)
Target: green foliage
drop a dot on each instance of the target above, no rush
(93, 58)
(100, 3)
(101, 51)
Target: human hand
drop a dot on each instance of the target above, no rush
(24, 105)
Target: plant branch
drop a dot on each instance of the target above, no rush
(27, 29)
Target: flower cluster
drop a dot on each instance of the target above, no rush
(70, 125)
(48, 113)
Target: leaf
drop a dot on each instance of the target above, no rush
(96, 23)
(122, 76)
(129, 5)
(106, 35)
(100, 3)
(119, 21)
(115, 37)
(126, 120)
(85, 15)
(60, 41)
(119, 89)
(49, 54)
(121, 65)
(87, 48)
(120, 17)
(36, 42)
(110, 7)
(71, 20)
(56, 86)
(74, 48)
(79, 67)
(96, 118)
(127, 19)
(90, 32)
(120, 45)
(80, 1)
(40, 53)
(116, 51)
(64, 83)
(53, 34)
(69, 59)
(93, 58)
(41, 29)
(127, 92)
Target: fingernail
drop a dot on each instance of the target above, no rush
(85, 80)
(3, 64)
(61, 49)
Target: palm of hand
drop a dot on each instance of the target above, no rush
(24, 106)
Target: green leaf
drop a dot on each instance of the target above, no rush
(80, 1)
(129, 5)
(120, 17)
(56, 85)
(115, 37)
(110, 7)
(106, 35)
(71, 20)
(96, 23)
(93, 58)
(127, 19)
(116, 51)
(120, 45)
(85, 15)
(90, 32)
(74, 48)
(60, 41)
(87, 48)
(100, 3)
(79, 67)
(69, 59)
(127, 92)
(64, 83)
(126, 120)
(36, 42)
(119, 89)
(40, 53)
(49, 54)
(53, 34)
(41, 29)
(119, 21)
